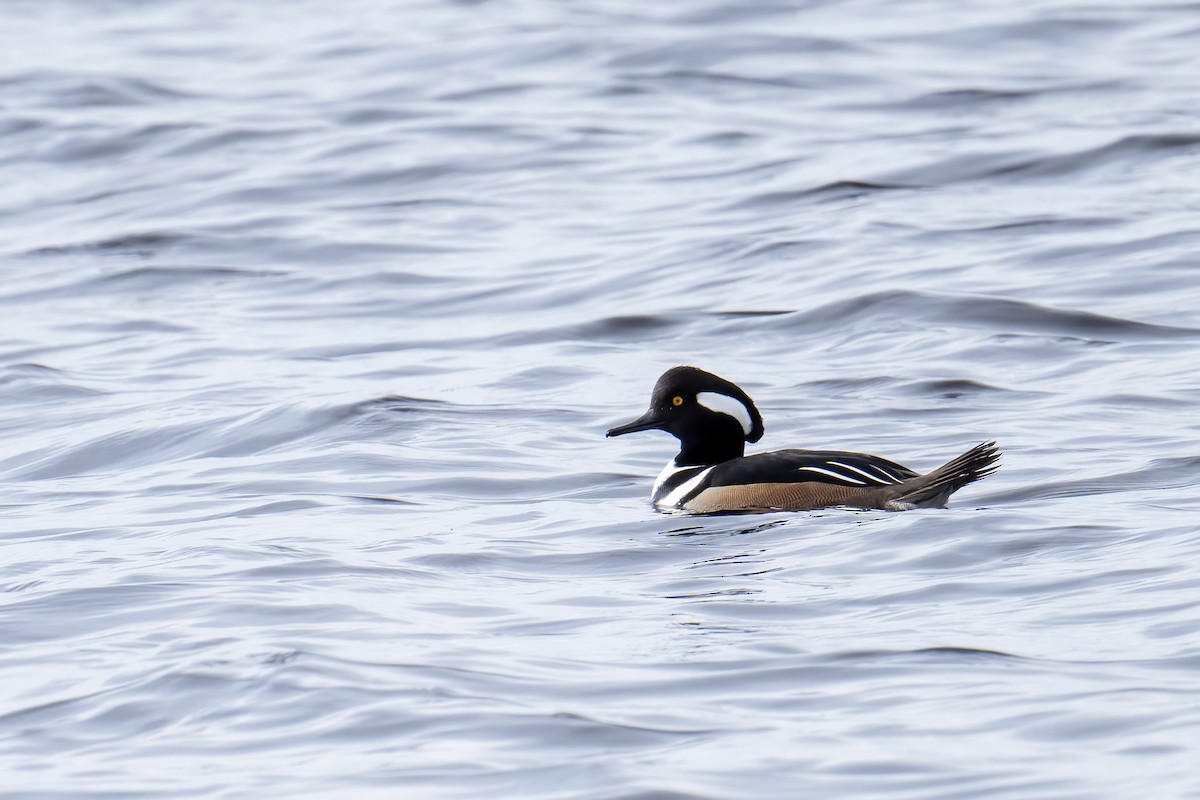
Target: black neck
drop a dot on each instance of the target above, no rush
(709, 449)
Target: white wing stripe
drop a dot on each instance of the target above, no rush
(832, 474)
(888, 472)
(873, 478)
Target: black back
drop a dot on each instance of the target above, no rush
(838, 467)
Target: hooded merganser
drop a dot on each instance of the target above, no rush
(713, 419)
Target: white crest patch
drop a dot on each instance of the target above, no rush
(724, 404)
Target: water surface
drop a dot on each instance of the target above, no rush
(315, 314)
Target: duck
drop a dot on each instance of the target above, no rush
(714, 419)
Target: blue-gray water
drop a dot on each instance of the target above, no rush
(314, 314)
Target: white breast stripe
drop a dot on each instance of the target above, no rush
(667, 471)
(683, 490)
(724, 404)
(867, 475)
(832, 474)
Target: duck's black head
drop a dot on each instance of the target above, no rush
(711, 417)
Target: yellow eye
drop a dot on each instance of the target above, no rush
(676, 400)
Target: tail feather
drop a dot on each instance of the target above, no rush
(934, 488)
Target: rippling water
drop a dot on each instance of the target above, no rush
(315, 314)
